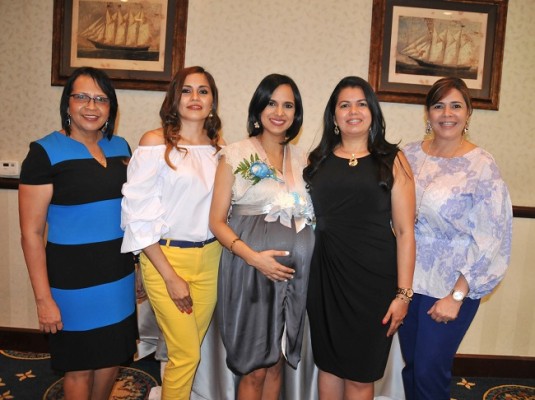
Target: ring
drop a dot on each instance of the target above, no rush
(445, 322)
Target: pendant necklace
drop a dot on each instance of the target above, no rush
(353, 161)
(433, 179)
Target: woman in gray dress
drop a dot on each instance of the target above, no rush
(268, 238)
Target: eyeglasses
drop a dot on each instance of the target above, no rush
(83, 98)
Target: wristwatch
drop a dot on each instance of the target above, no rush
(407, 292)
(457, 295)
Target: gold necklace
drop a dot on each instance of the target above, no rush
(432, 180)
(353, 161)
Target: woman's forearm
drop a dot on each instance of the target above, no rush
(34, 254)
(406, 254)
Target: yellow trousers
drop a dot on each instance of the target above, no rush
(183, 332)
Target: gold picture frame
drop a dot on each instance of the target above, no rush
(140, 44)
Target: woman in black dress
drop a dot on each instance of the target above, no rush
(361, 273)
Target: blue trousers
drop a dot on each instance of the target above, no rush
(428, 348)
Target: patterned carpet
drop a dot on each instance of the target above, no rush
(477, 388)
(27, 376)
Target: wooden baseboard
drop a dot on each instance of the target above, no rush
(23, 340)
(494, 366)
(463, 365)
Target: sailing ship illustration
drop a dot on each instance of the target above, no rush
(118, 31)
(444, 46)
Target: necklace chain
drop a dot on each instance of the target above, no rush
(353, 161)
(433, 179)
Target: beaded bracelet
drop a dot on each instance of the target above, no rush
(232, 244)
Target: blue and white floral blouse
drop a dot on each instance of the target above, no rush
(464, 222)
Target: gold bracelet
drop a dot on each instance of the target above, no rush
(406, 292)
(232, 244)
(403, 298)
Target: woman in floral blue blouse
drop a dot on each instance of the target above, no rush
(463, 240)
(268, 238)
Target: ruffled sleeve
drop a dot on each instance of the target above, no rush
(490, 222)
(142, 210)
(234, 153)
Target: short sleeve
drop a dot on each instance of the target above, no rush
(234, 154)
(36, 168)
(141, 208)
(299, 155)
(231, 154)
(491, 222)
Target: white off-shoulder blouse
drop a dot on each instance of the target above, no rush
(162, 203)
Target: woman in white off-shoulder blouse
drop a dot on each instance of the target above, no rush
(165, 216)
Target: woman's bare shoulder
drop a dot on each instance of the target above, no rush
(152, 138)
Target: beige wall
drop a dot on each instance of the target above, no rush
(317, 42)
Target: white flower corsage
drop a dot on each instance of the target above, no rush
(287, 205)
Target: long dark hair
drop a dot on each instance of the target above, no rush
(171, 119)
(383, 151)
(104, 82)
(261, 98)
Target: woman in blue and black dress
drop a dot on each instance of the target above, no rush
(84, 287)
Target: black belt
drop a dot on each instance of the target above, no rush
(185, 244)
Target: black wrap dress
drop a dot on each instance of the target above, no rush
(353, 276)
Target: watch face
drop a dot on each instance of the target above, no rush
(459, 296)
(409, 293)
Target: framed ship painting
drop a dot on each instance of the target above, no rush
(139, 43)
(416, 42)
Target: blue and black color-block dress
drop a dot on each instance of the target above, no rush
(91, 281)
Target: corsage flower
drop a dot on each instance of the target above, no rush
(287, 205)
(255, 170)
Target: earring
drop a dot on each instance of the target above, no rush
(210, 115)
(105, 127)
(68, 121)
(256, 125)
(465, 130)
(336, 129)
(428, 128)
